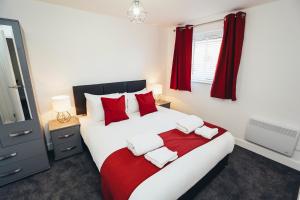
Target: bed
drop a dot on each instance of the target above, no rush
(171, 182)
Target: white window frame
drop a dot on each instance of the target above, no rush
(203, 35)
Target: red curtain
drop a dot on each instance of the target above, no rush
(224, 84)
(182, 59)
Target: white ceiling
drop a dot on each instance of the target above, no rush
(162, 12)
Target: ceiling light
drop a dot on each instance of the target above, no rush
(136, 12)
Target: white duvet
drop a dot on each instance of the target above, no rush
(176, 178)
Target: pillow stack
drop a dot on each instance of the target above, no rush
(94, 106)
(115, 107)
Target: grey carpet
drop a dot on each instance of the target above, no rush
(247, 176)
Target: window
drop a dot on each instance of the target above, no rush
(206, 48)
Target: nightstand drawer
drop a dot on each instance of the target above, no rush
(23, 168)
(20, 151)
(65, 135)
(68, 148)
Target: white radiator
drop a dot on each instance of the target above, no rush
(275, 137)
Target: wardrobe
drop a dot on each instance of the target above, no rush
(22, 145)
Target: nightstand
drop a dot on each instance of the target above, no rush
(163, 103)
(66, 138)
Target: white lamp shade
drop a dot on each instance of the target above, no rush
(156, 89)
(61, 103)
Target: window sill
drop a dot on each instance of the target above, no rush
(202, 82)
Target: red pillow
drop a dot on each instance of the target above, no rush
(114, 109)
(146, 103)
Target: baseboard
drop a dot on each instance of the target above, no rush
(288, 161)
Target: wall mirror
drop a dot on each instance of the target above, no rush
(14, 106)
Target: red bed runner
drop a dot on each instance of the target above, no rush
(122, 172)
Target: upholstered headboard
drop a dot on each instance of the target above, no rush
(104, 88)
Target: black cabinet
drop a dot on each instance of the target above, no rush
(65, 137)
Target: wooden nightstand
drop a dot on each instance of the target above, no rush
(66, 138)
(163, 103)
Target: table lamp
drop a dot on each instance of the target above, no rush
(157, 90)
(62, 105)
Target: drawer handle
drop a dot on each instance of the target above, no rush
(66, 136)
(10, 173)
(5, 157)
(20, 133)
(68, 149)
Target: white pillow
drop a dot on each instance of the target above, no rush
(94, 106)
(132, 104)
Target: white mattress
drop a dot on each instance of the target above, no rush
(173, 180)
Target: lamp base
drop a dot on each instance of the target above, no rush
(63, 117)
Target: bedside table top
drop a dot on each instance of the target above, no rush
(161, 102)
(56, 125)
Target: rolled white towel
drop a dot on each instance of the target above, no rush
(207, 132)
(161, 156)
(141, 144)
(189, 124)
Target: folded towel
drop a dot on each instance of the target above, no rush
(207, 132)
(161, 156)
(189, 124)
(141, 144)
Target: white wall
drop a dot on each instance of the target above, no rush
(268, 80)
(68, 47)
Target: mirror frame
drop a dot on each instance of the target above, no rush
(23, 68)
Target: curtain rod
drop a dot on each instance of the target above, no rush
(218, 20)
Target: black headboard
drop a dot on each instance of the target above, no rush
(104, 88)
